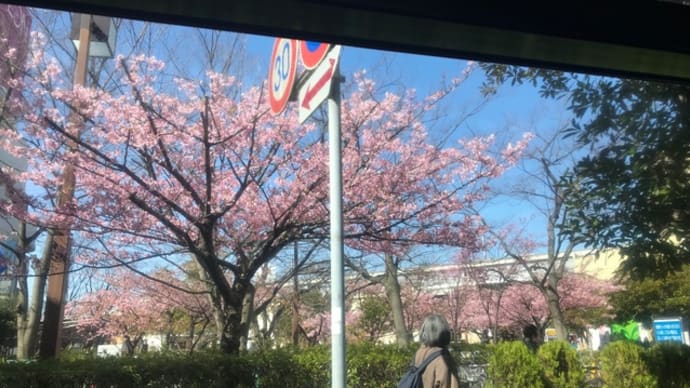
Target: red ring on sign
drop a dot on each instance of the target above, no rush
(311, 57)
(278, 99)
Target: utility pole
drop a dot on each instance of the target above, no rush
(60, 239)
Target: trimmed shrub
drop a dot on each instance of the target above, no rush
(670, 363)
(369, 366)
(513, 365)
(562, 367)
(161, 370)
(623, 366)
(376, 366)
(316, 364)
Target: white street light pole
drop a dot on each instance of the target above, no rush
(336, 213)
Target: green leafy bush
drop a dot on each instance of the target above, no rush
(279, 368)
(623, 366)
(368, 366)
(201, 370)
(562, 367)
(376, 366)
(670, 363)
(513, 365)
(316, 364)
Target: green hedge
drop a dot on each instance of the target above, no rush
(510, 364)
(202, 370)
(513, 365)
(623, 366)
(369, 366)
(670, 363)
(562, 366)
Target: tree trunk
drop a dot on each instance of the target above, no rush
(497, 317)
(222, 322)
(227, 303)
(247, 316)
(392, 287)
(29, 314)
(231, 334)
(231, 328)
(295, 327)
(131, 344)
(553, 300)
(23, 351)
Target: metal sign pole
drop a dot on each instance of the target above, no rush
(336, 198)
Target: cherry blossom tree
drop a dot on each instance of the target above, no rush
(488, 281)
(130, 306)
(516, 304)
(586, 300)
(221, 51)
(183, 300)
(545, 168)
(522, 305)
(170, 168)
(275, 302)
(454, 228)
(483, 312)
(425, 291)
(123, 310)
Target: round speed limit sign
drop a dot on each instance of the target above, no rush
(281, 76)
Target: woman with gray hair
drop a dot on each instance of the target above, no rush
(435, 336)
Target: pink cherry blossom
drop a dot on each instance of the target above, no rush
(167, 171)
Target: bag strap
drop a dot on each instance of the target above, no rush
(428, 359)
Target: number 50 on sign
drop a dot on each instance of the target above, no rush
(281, 76)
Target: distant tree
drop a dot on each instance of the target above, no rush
(545, 166)
(631, 191)
(122, 312)
(522, 305)
(641, 300)
(451, 303)
(280, 311)
(512, 305)
(583, 301)
(483, 311)
(318, 327)
(130, 306)
(394, 252)
(374, 317)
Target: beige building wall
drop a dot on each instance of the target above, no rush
(602, 265)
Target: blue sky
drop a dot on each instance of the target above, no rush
(516, 109)
(513, 111)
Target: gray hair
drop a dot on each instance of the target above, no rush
(435, 331)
